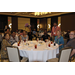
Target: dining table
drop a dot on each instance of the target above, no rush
(37, 50)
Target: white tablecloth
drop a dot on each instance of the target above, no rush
(42, 53)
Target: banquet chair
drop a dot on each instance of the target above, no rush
(63, 57)
(0, 40)
(13, 55)
(72, 58)
(65, 42)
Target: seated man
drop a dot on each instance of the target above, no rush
(34, 32)
(71, 42)
(30, 35)
(8, 31)
(13, 38)
(41, 30)
(45, 36)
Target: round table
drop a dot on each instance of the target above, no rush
(42, 53)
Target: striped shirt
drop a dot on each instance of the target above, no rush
(13, 40)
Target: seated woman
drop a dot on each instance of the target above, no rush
(59, 40)
(24, 36)
(4, 44)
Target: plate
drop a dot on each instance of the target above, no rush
(46, 49)
(50, 47)
(29, 46)
(39, 45)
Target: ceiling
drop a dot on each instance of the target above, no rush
(31, 14)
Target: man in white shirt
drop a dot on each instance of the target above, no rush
(13, 38)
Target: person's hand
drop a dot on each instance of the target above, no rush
(41, 39)
(5, 49)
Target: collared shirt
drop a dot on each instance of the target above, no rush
(54, 30)
(34, 32)
(71, 43)
(24, 38)
(13, 40)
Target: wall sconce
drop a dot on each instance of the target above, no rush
(59, 24)
(49, 25)
(38, 26)
(10, 25)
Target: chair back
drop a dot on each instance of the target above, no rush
(65, 54)
(13, 54)
(65, 41)
(0, 38)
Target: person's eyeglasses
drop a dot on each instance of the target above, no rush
(71, 34)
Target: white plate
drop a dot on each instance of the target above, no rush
(50, 47)
(39, 44)
(46, 49)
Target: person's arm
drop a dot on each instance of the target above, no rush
(52, 32)
(11, 40)
(4, 45)
(62, 41)
(68, 44)
(20, 38)
(42, 38)
(59, 28)
(27, 37)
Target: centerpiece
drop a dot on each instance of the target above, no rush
(27, 27)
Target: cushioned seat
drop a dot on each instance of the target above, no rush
(14, 55)
(64, 55)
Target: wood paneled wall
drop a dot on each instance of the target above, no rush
(10, 21)
(48, 22)
(54, 19)
(14, 23)
(68, 22)
(22, 22)
(3, 22)
(33, 23)
(43, 23)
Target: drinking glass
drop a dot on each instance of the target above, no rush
(49, 45)
(35, 46)
(24, 40)
(18, 44)
(51, 42)
(37, 39)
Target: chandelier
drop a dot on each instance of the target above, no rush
(41, 13)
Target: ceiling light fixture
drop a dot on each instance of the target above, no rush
(41, 13)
